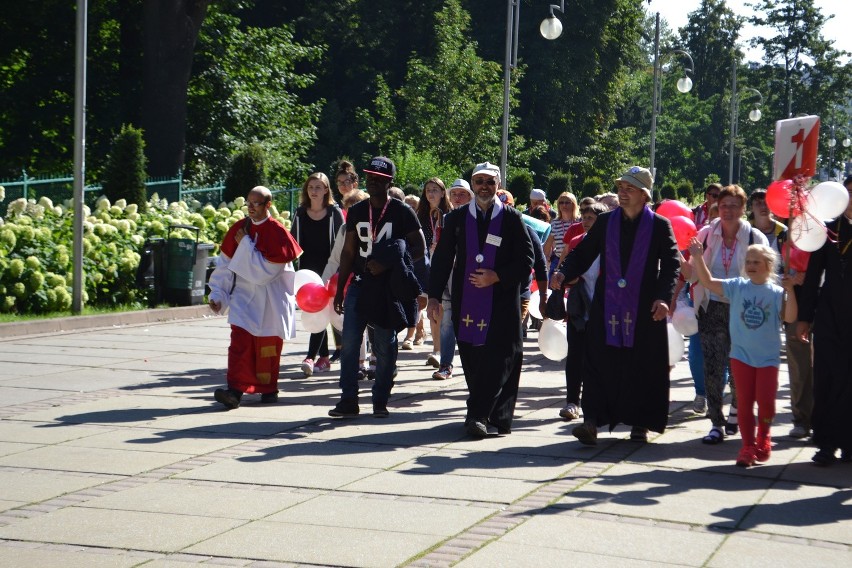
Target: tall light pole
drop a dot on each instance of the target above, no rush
(754, 115)
(832, 142)
(79, 155)
(684, 85)
(550, 28)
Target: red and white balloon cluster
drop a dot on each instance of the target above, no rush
(314, 300)
(807, 209)
(682, 219)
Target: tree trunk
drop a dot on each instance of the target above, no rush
(171, 29)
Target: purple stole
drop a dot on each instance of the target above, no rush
(476, 303)
(621, 292)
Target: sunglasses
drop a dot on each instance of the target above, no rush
(713, 195)
(489, 181)
(565, 203)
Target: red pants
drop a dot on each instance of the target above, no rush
(754, 384)
(253, 362)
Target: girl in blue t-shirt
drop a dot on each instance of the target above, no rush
(757, 305)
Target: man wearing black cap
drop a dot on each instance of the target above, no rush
(373, 228)
(626, 362)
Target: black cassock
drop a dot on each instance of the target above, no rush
(492, 371)
(628, 385)
(829, 308)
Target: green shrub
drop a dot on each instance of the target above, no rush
(592, 186)
(669, 191)
(248, 170)
(520, 186)
(557, 184)
(686, 191)
(124, 174)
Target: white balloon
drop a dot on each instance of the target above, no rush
(334, 318)
(316, 322)
(305, 276)
(827, 200)
(684, 321)
(676, 344)
(534, 311)
(807, 233)
(553, 339)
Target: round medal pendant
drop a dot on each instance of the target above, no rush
(622, 283)
(479, 258)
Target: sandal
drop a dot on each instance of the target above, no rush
(406, 345)
(713, 437)
(732, 425)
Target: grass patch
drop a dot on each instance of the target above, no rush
(87, 311)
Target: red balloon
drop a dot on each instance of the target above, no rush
(798, 259)
(779, 194)
(312, 297)
(534, 285)
(331, 287)
(671, 208)
(684, 229)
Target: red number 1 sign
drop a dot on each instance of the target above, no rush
(796, 141)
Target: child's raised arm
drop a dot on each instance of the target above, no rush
(696, 252)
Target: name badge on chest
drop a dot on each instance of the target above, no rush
(493, 240)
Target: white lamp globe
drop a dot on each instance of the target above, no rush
(755, 115)
(684, 84)
(551, 27)
(847, 142)
(832, 142)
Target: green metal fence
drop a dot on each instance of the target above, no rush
(60, 188)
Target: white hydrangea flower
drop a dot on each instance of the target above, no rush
(45, 202)
(103, 203)
(121, 204)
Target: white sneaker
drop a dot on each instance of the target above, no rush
(699, 405)
(308, 367)
(570, 412)
(799, 432)
(434, 359)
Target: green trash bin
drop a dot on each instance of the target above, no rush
(183, 285)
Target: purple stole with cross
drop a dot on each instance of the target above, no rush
(476, 303)
(621, 291)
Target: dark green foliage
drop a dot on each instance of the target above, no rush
(592, 186)
(669, 191)
(248, 170)
(520, 186)
(685, 191)
(557, 184)
(656, 196)
(124, 174)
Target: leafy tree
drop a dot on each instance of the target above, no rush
(685, 190)
(669, 191)
(592, 186)
(245, 90)
(124, 175)
(248, 170)
(520, 186)
(557, 184)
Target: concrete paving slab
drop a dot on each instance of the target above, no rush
(129, 410)
(366, 512)
(617, 539)
(503, 554)
(84, 380)
(450, 486)
(695, 497)
(96, 460)
(744, 551)
(13, 395)
(16, 557)
(12, 430)
(118, 529)
(5, 504)
(805, 472)
(179, 497)
(316, 545)
(62, 356)
(12, 368)
(539, 469)
(281, 473)
(33, 486)
(156, 440)
(9, 448)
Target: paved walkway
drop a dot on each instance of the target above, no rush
(112, 453)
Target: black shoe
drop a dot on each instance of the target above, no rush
(476, 429)
(334, 356)
(824, 457)
(229, 397)
(269, 398)
(502, 430)
(586, 433)
(380, 411)
(846, 456)
(346, 408)
(639, 434)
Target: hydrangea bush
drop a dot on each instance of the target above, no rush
(36, 248)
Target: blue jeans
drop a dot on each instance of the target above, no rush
(448, 336)
(696, 363)
(384, 346)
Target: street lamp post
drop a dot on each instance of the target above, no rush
(832, 142)
(550, 28)
(684, 85)
(754, 115)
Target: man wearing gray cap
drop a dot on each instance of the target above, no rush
(626, 363)
(492, 253)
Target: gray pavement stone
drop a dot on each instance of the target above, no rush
(13, 557)
(742, 551)
(96, 460)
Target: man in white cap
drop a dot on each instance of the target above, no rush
(626, 362)
(493, 256)
(538, 198)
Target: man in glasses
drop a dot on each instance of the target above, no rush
(493, 255)
(253, 282)
(702, 212)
